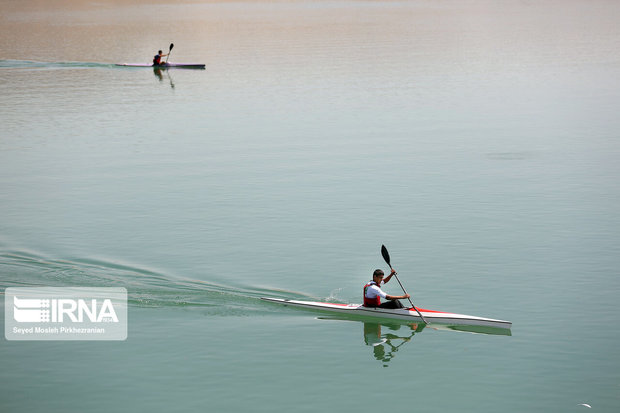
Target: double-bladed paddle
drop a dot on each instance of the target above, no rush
(169, 50)
(386, 257)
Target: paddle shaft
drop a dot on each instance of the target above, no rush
(410, 302)
(386, 257)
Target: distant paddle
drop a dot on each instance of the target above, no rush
(386, 257)
(169, 50)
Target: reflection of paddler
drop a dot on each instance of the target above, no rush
(159, 74)
(157, 71)
(373, 337)
(372, 334)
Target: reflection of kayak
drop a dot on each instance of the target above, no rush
(165, 66)
(392, 323)
(433, 317)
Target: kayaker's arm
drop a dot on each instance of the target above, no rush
(386, 279)
(397, 297)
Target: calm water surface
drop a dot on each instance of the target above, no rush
(478, 140)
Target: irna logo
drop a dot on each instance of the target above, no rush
(61, 310)
(67, 313)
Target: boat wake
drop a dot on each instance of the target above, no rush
(145, 287)
(30, 64)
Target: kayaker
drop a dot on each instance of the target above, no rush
(373, 292)
(157, 58)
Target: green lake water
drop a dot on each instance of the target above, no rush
(478, 140)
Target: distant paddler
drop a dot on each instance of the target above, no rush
(157, 58)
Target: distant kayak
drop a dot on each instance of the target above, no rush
(165, 66)
(433, 317)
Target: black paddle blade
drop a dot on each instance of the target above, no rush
(171, 46)
(386, 255)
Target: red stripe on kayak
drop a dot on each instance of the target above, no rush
(426, 311)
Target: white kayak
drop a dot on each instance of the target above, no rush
(165, 66)
(407, 314)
